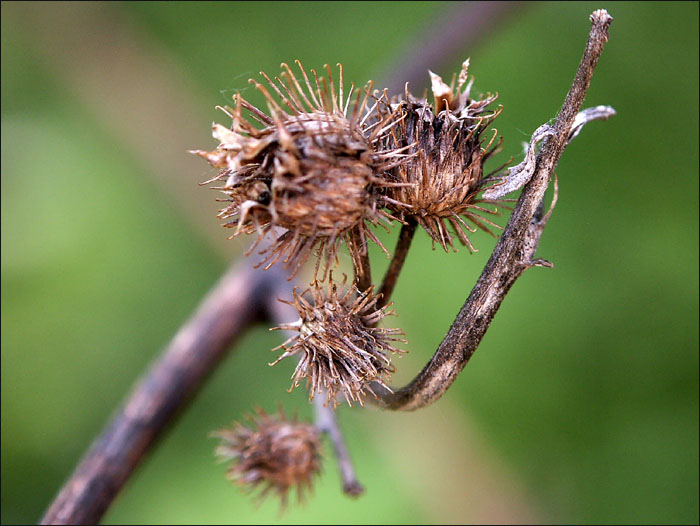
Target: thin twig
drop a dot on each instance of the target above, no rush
(327, 422)
(233, 305)
(514, 252)
(397, 261)
(363, 274)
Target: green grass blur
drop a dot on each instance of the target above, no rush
(585, 388)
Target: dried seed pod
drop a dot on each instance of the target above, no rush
(440, 182)
(274, 453)
(339, 346)
(313, 167)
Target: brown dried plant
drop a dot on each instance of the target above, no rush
(440, 182)
(313, 165)
(274, 453)
(340, 349)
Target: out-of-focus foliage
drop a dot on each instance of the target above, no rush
(584, 393)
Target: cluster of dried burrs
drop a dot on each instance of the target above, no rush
(322, 168)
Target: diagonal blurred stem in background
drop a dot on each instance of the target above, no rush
(458, 27)
(234, 304)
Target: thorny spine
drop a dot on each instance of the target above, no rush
(315, 168)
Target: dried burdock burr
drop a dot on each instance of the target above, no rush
(273, 453)
(314, 165)
(340, 348)
(440, 182)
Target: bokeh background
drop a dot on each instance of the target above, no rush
(581, 405)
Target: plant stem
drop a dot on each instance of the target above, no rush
(327, 422)
(243, 296)
(456, 31)
(397, 261)
(363, 274)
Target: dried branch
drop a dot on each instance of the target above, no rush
(233, 305)
(397, 261)
(514, 252)
(327, 422)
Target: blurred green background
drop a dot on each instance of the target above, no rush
(581, 405)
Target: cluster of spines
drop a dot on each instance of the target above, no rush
(340, 348)
(324, 169)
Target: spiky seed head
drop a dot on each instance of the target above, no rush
(312, 165)
(440, 182)
(341, 350)
(272, 453)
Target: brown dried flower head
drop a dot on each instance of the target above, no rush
(444, 174)
(311, 165)
(340, 348)
(273, 453)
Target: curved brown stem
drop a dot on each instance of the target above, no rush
(514, 252)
